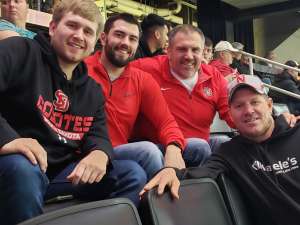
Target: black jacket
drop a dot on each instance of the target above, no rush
(144, 51)
(267, 173)
(37, 101)
(286, 82)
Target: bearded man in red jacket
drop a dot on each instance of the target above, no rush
(130, 92)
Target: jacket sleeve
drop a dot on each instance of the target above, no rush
(213, 167)
(155, 108)
(97, 137)
(149, 64)
(222, 103)
(291, 86)
(11, 64)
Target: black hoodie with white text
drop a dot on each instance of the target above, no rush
(267, 173)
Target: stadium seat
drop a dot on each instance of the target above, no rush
(220, 127)
(234, 201)
(118, 211)
(200, 203)
(280, 108)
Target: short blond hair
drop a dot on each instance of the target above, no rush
(84, 8)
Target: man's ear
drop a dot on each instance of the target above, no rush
(270, 103)
(102, 38)
(157, 34)
(52, 27)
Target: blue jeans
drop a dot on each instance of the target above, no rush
(151, 159)
(215, 141)
(145, 153)
(23, 186)
(196, 152)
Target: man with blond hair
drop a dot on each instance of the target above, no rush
(53, 137)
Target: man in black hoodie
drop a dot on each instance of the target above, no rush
(263, 160)
(53, 136)
(288, 80)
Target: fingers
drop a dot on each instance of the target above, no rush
(151, 184)
(162, 185)
(95, 176)
(40, 154)
(166, 177)
(27, 152)
(175, 188)
(84, 173)
(99, 177)
(77, 173)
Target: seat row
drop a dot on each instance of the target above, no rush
(202, 202)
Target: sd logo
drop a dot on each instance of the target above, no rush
(61, 103)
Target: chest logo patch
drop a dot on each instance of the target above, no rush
(207, 91)
(61, 103)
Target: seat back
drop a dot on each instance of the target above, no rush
(220, 126)
(200, 203)
(280, 108)
(234, 201)
(117, 211)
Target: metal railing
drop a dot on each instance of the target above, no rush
(251, 56)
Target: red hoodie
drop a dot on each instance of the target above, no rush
(195, 111)
(134, 92)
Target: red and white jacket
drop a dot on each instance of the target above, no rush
(195, 111)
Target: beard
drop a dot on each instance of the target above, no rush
(114, 59)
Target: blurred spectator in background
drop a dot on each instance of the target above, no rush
(271, 55)
(236, 55)
(243, 66)
(223, 58)
(165, 47)
(154, 36)
(207, 51)
(13, 22)
(288, 80)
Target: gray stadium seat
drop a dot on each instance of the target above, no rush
(118, 211)
(220, 126)
(200, 203)
(280, 108)
(234, 201)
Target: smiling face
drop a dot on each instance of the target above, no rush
(14, 11)
(252, 114)
(120, 43)
(73, 38)
(185, 53)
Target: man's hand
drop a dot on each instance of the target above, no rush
(173, 157)
(291, 119)
(90, 169)
(166, 177)
(28, 147)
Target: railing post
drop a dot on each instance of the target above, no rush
(251, 66)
